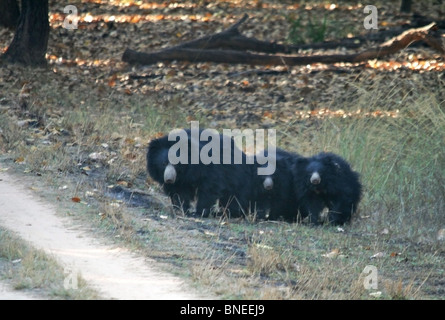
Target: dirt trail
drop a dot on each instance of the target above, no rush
(115, 272)
(8, 293)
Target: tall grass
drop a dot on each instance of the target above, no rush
(400, 156)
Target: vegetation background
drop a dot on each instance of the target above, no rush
(80, 126)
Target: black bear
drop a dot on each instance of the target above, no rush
(275, 197)
(208, 182)
(326, 180)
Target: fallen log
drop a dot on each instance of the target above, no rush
(201, 50)
(232, 39)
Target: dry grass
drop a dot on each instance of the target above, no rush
(397, 290)
(400, 159)
(32, 270)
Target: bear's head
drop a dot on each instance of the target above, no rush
(316, 172)
(158, 164)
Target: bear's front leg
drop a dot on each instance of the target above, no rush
(206, 200)
(180, 198)
(311, 206)
(340, 212)
(181, 203)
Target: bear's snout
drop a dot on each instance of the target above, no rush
(169, 174)
(315, 178)
(268, 183)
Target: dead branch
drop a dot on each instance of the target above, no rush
(208, 49)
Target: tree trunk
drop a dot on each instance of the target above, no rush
(31, 38)
(406, 6)
(9, 13)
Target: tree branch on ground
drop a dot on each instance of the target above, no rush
(229, 46)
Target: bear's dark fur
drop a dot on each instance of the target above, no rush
(275, 198)
(326, 180)
(228, 183)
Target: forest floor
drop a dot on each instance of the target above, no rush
(79, 128)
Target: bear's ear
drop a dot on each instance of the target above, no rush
(301, 162)
(154, 144)
(336, 165)
(330, 160)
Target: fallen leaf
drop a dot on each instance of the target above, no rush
(116, 136)
(19, 160)
(263, 246)
(135, 19)
(332, 254)
(89, 194)
(97, 156)
(378, 255)
(267, 115)
(122, 183)
(112, 80)
(130, 155)
(441, 235)
(75, 199)
(376, 294)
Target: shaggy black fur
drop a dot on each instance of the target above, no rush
(326, 180)
(275, 197)
(228, 183)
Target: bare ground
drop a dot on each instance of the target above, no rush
(115, 272)
(8, 293)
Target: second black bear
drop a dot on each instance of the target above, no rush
(275, 197)
(326, 180)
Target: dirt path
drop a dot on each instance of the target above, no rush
(8, 293)
(115, 272)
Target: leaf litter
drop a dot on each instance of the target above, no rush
(226, 96)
